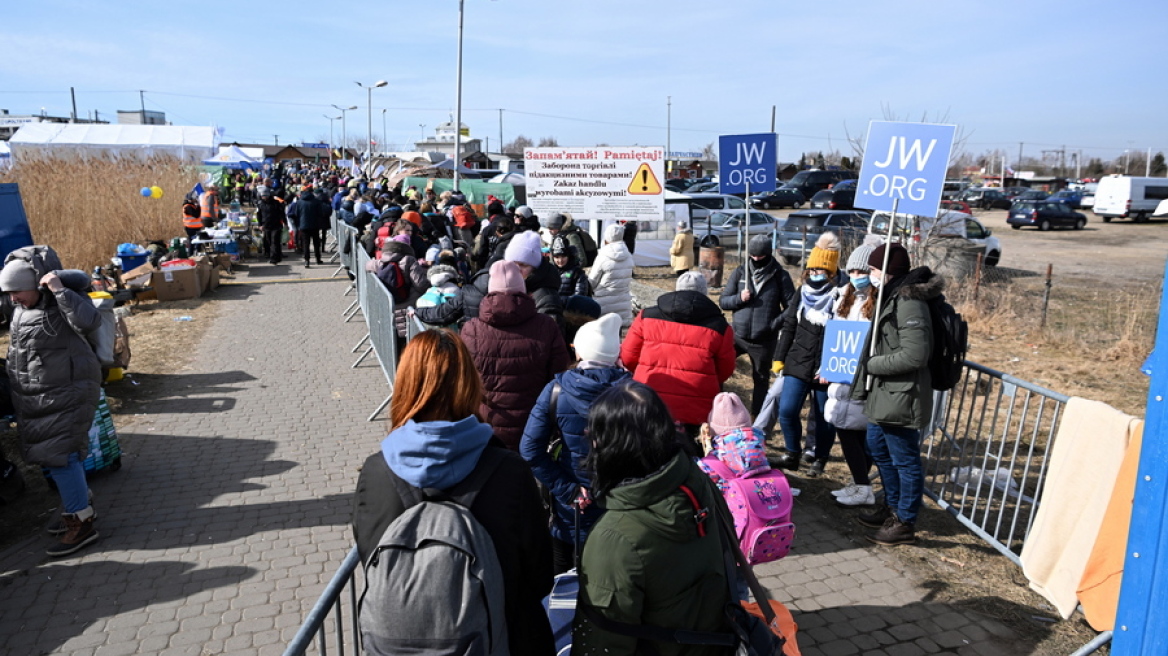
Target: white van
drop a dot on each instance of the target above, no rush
(1127, 197)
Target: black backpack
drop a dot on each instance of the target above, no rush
(950, 343)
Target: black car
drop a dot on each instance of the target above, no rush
(834, 199)
(678, 184)
(781, 197)
(986, 199)
(810, 182)
(798, 234)
(1044, 215)
(1031, 194)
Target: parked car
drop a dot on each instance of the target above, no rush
(1014, 192)
(953, 188)
(916, 229)
(1124, 196)
(1070, 198)
(781, 197)
(798, 234)
(678, 184)
(703, 188)
(727, 226)
(1044, 215)
(810, 182)
(1088, 199)
(701, 205)
(985, 198)
(836, 198)
(956, 206)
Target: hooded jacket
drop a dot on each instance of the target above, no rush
(563, 475)
(757, 320)
(441, 454)
(54, 375)
(517, 351)
(684, 349)
(403, 254)
(681, 254)
(645, 563)
(902, 392)
(573, 280)
(543, 285)
(610, 276)
(312, 213)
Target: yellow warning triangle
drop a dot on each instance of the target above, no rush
(644, 182)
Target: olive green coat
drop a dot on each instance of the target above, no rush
(644, 563)
(902, 393)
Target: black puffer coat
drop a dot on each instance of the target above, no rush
(543, 284)
(757, 320)
(800, 344)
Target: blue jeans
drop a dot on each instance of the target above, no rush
(71, 484)
(897, 454)
(791, 401)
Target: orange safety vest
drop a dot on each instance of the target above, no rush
(191, 221)
(209, 206)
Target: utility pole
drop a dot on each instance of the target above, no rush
(142, 98)
(73, 97)
(1148, 167)
(500, 130)
(668, 134)
(1019, 155)
(276, 137)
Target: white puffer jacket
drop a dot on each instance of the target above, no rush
(610, 276)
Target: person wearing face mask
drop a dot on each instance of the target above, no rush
(893, 381)
(758, 292)
(799, 348)
(854, 301)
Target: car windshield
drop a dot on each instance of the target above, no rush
(722, 218)
(796, 222)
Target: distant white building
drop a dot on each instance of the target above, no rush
(141, 117)
(443, 141)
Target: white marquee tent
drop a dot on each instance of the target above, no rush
(189, 143)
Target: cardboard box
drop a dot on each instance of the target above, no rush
(203, 268)
(223, 261)
(139, 272)
(214, 283)
(176, 284)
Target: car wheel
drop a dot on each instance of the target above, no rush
(1044, 226)
(1080, 224)
(992, 258)
(1106, 219)
(1141, 217)
(1016, 227)
(791, 259)
(797, 204)
(766, 204)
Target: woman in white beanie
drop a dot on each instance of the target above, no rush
(611, 274)
(561, 469)
(854, 302)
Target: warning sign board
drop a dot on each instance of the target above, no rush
(607, 183)
(644, 182)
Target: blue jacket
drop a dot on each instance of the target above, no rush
(578, 389)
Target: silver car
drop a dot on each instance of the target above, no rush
(727, 226)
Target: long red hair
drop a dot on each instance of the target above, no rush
(436, 380)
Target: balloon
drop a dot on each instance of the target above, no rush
(146, 191)
(156, 192)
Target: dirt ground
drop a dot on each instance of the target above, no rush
(1103, 305)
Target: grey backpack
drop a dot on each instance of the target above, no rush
(433, 584)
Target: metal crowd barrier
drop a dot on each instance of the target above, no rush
(985, 461)
(331, 601)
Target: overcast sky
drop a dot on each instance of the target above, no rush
(1047, 73)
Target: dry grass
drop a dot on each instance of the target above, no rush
(84, 208)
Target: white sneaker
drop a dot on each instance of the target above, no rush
(861, 497)
(844, 492)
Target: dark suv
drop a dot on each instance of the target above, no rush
(798, 234)
(834, 199)
(810, 182)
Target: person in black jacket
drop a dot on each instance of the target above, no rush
(313, 220)
(798, 354)
(758, 292)
(437, 441)
(270, 212)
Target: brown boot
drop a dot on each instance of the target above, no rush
(79, 533)
(893, 532)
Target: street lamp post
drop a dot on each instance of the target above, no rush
(344, 126)
(370, 87)
(384, 134)
(458, 101)
(331, 119)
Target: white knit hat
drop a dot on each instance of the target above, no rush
(858, 261)
(524, 248)
(692, 281)
(18, 276)
(599, 340)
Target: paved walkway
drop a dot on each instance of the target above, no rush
(231, 511)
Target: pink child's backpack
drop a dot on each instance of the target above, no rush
(760, 503)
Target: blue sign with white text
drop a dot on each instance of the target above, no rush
(747, 159)
(843, 341)
(905, 162)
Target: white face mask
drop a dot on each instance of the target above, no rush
(877, 279)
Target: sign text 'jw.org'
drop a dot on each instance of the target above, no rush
(904, 162)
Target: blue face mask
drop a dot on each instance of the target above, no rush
(817, 277)
(860, 282)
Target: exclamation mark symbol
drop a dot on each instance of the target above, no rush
(644, 180)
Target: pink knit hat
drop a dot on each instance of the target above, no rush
(505, 277)
(728, 413)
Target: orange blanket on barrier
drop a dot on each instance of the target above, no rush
(1099, 589)
(786, 628)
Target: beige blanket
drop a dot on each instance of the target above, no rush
(1083, 464)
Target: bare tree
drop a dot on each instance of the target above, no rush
(708, 153)
(548, 142)
(517, 145)
(857, 141)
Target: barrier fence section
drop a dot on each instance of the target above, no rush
(985, 460)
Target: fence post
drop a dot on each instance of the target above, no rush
(1046, 296)
(1143, 596)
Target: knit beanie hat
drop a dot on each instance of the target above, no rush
(554, 221)
(412, 217)
(898, 261)
(692, 281)
(599, 340)
(524, 211)
(524, 248)
(584, 305)
(826, 253)
(614, 233)
(759, 245)
(505, 277)
(728, 413)
(18, 276)
(858, 261)
(440, 274)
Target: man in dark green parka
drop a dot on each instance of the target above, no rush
(893, 381)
